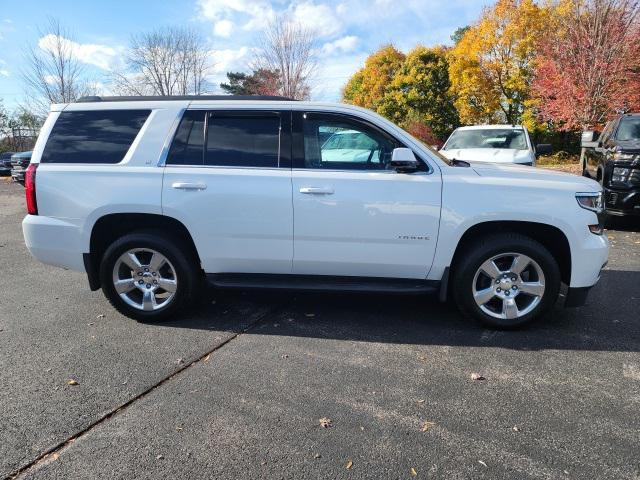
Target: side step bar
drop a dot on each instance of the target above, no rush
(246, 281)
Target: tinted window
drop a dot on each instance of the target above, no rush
(188, 142)
(333, 143)
(629, 129)
(102, 136)
(246, 140)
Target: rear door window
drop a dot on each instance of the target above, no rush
(98, 136)
(243, 139)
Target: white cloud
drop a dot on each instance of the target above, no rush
(344, 44)
(318, 17)
(226, 60)
(223, 28)
(101, 56)
(4, 72)
(256, 13)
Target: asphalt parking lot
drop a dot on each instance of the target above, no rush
(238, 388)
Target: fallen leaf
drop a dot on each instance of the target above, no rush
(349, 465)
(90, 323)
(482, 463)
(179, 361)
(317, 455)
(477, 376)
(206, 359)
(178, 428)
(102, 315)
(55, 456)
(413, 472)
(72, 382)
(516, 429)
(159, 457)
(284, 355)
(325, 422)
(426, 426)
(421, 400)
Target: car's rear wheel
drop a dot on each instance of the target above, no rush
(506, 280)
(148, 277)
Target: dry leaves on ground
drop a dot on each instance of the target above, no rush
(477, 376)
(325, 422)
(426, 426)
(349, 465)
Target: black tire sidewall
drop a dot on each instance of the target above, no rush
(495, 245)
(173, 250)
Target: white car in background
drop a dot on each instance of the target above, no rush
(493, 143)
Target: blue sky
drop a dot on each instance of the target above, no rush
(349, 30)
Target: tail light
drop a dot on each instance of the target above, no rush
(30, 188)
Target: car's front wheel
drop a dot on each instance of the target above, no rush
(506, 280)
(148, 277)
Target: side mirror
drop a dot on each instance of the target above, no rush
(543, 149)
(589, 138)
(403, 160)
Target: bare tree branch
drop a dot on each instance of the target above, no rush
(53, 74)
(288, 48)
(167, 61)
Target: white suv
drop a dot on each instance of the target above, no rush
(150, 196)
(493, 143)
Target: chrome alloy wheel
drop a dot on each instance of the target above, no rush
(145, 279)
(508, 286)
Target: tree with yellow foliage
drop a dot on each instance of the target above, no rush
(368, 85)
(412, 90)
(491, 67)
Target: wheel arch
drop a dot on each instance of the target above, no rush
(551, 237)
(109, 227)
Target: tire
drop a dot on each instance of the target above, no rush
(149, 301)
(534, 290)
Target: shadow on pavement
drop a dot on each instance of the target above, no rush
(608, 322)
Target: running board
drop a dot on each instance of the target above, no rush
(321, 283)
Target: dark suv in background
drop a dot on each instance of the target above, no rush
(19, 163)
(613, 158)
(5, 163)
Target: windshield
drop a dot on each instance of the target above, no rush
(487, 138)
(629, 129)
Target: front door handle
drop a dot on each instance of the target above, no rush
(188, 186)
(317, 190)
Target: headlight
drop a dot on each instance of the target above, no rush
(620, 174)
(591, 201)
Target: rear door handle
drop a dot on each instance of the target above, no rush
(188, 186)
(317, 190)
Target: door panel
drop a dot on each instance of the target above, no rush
(241, 222)
(228, 180)
(374, 224)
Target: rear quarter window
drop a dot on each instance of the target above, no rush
(98, 136)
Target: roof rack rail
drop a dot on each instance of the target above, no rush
(98, 98)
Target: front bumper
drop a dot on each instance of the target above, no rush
(622, 202)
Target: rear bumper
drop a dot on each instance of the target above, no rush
(54, 242)
(622, 202)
